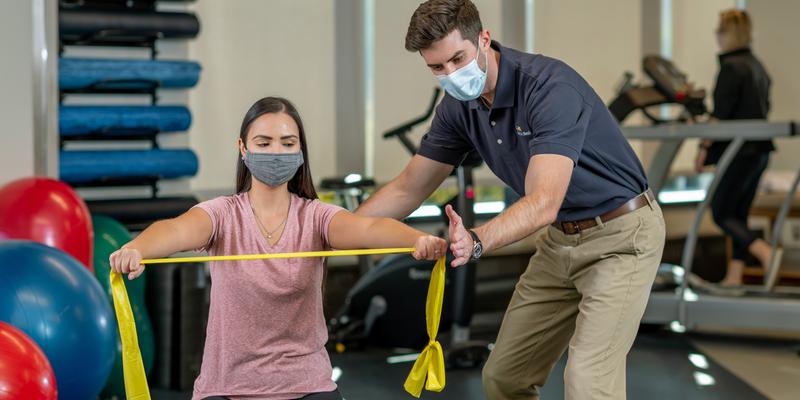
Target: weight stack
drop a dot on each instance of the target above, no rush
(177, 296)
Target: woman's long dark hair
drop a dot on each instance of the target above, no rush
(301, 184)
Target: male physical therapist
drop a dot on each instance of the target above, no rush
(543, 131)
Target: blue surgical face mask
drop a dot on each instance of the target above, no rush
(273, 169)
(467, 82)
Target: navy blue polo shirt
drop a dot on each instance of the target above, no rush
(541, 106)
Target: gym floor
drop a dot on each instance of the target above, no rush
(661, 365)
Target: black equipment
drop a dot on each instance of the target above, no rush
(386, 307)
(670, 86)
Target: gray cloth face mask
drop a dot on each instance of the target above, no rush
(273, 169)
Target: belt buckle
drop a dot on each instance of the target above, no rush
(576, 227)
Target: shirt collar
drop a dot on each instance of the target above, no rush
(506, 88)
(743, 50)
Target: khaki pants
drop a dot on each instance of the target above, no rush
(585, 291)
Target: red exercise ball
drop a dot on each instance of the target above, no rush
(25, 372)
(47, 211)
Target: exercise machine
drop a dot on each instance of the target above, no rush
(670, 87)
(386, 306)
(687, 306)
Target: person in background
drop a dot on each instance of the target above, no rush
(741, 92)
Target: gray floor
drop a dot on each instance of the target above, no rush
(772, 366)
(661, 365)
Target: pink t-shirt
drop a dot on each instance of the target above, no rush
(266, 331)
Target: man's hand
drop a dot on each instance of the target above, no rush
(461, 242)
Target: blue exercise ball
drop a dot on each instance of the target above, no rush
(56, 301)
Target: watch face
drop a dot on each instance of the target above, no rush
(477, 251)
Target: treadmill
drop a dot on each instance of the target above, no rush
(687, 307)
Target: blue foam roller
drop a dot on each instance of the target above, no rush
(122, 120)
(81, 166)
(79, 73)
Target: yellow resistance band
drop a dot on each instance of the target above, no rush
(428, 370)
(306, 254)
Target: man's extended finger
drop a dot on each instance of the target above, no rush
(452, 214)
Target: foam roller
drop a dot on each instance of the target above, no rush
(122, 120)
(87, 73)
(82, 166)
(82, 23)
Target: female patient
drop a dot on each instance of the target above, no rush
(266, 331)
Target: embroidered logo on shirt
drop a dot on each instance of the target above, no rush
(520, 132)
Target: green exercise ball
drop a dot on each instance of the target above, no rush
(109, 236)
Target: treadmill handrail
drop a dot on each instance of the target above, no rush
(747, 129)
(738, 131)
(771, 274)
(692, 236)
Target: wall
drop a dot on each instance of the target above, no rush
(598, 41)
(562, 28)
(287, 48)
(775, 42)
(404, 84)
(253, 48)
(695, 52)
(16, 98)
(250, 49)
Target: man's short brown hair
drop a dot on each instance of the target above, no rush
(435, 19)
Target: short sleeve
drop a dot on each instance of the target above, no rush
(443, 142)
(219, 210)
(323, 215)
(558, 117)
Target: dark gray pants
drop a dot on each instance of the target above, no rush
(730, 205)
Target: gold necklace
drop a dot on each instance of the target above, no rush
(267, 233)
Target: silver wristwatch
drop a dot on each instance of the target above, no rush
(477, 247)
